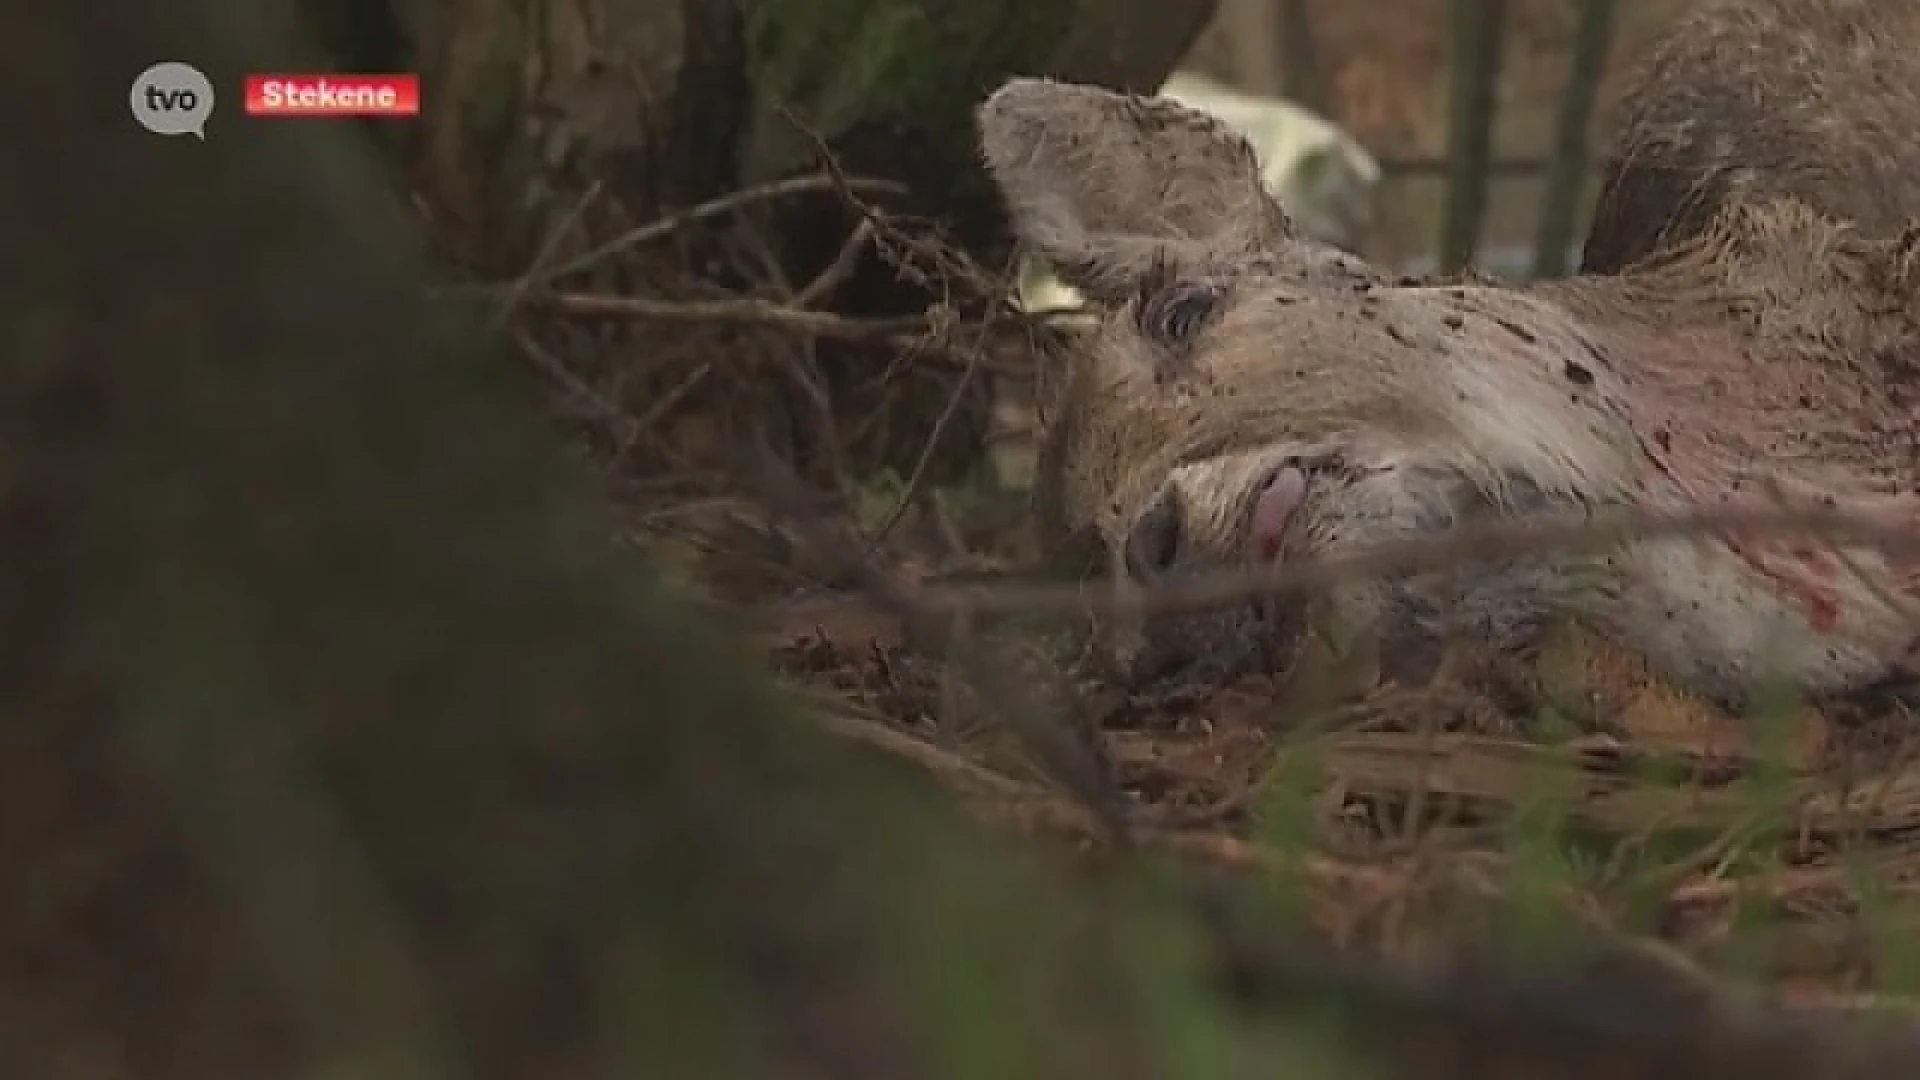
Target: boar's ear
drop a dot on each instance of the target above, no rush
(1106, 186)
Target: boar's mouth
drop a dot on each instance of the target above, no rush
(1252, 633)
(1271, 530)
(1275, 500)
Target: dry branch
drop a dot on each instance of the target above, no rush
(1492, 541)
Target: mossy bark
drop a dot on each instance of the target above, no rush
(896, 81)
(893, 81)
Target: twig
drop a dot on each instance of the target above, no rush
(725, 204)
(748, 311)
(547, 247)
(943, 763)
(1480, 542)
(916, 479)
(948, 263)
(673, 396)
(835, 177)
(547, 362)
(919, 334)
(840, 269)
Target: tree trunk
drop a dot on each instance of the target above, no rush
(1305, 78)
(530, 103)
(1254, 40)
(1476, 31)
(1567, 168)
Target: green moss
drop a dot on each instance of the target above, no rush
(839, 63)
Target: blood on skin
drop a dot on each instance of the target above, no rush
(1822, 602)
(1822, 564)
(1807, 574)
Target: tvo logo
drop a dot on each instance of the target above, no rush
(172, 98)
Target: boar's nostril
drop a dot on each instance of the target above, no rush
(1154, 541)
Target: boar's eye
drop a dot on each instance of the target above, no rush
(1171, 316)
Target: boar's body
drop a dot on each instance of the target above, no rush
(1247, 397)
(1818, 100)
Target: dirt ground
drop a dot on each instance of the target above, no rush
(1414, 811)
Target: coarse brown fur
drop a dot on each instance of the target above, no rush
(1769, 356)
(1816, 100)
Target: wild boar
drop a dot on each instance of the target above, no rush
(1742, 100)
(1248, 397)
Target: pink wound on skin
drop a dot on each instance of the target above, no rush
(1798, 574)
(1273, 510)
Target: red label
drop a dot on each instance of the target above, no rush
(333, 95)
